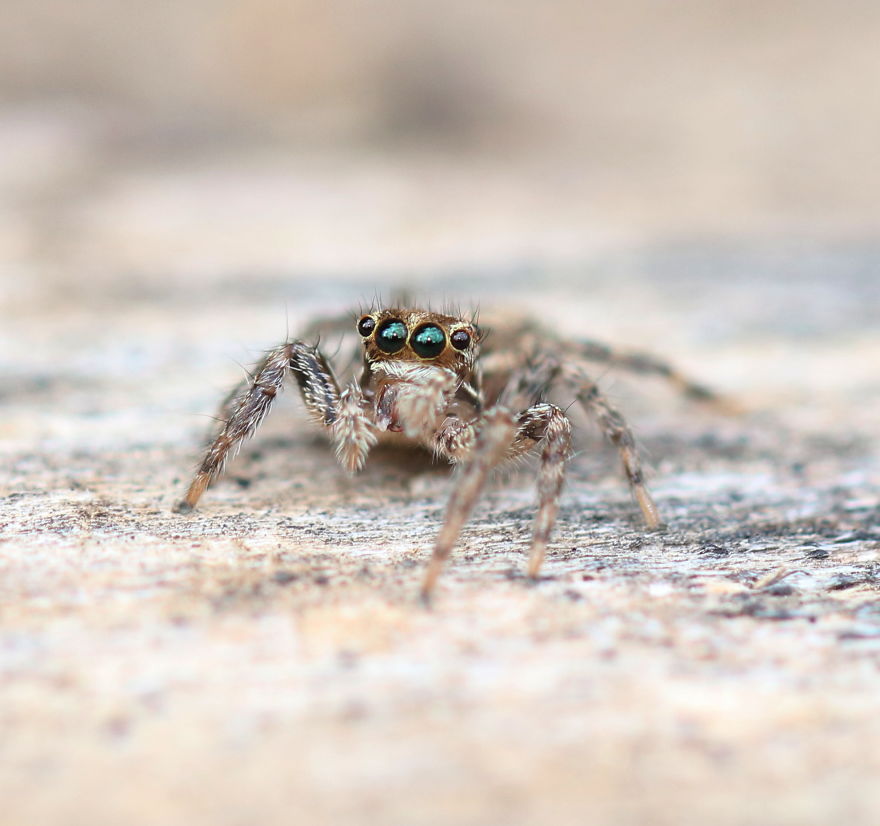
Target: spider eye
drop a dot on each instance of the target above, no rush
(391, 336)
(428, 341)
(460, 339)
(366, 325)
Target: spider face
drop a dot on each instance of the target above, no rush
(419, 337)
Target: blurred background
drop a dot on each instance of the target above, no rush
(214, 138)
(196, 177)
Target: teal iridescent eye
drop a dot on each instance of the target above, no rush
(428, 341)
(391, 336)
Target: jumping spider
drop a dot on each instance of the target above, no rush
(439, 381)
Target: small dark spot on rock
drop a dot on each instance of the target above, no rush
(118, 726)
(322, 580)
(819, 553)
(859, 634)
(844, 581)
(757, 609)
(348, 659)
(243, 482)
(284, 577)
(779, 590)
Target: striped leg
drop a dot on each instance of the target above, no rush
(353, 433)
(618, 432)
(482, 445)
(646, 364)
(494, 433)
(246, 407)
(530, 338)
(547, 425)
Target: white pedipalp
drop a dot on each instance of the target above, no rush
(413, 397)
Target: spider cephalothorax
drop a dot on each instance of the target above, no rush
(423, 376)
(417, 362)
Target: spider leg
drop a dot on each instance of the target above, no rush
(247, 405)
(487, 442)
(543, 424)
(353, 433)
(618, 432)
(531, 381)
(531, 338)
(489, 439)
(547, 425)
(645, 364)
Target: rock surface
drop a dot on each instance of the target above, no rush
(264, 660)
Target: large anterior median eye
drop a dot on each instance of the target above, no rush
(428, 341)
(391, 335)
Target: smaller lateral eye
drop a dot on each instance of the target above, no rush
(366, 325)
(460, 339)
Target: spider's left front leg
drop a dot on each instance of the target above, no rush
(484, 444)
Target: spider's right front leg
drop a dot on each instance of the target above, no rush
(248, 404)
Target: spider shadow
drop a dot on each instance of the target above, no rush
(309, 460)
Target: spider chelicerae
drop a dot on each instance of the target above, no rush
(474, 398)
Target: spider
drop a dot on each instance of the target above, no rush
(440, 381)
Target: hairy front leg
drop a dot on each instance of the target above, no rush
(247, 406)
(486, 442)
(353, 433)
(547, 426)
